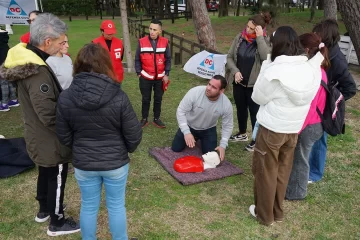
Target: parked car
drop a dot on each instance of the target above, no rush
(181, 5)
(212, 5)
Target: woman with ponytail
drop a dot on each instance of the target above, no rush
(249, 48)
(312, 129)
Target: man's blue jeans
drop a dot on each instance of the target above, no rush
(317, 159)
(90, 183)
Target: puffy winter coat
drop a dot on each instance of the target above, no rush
(95, 118)
(284, 90)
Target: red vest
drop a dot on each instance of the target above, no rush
(153, 65)
(116, 53)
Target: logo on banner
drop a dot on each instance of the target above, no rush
(15, 9)
(208, 62)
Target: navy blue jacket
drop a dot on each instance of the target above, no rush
(95, 118)
(338, 72)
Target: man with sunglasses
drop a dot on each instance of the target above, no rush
(152, 65)
(32, 15)
(38, 91)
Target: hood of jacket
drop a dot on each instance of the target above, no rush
(20, 63)
(298, 76)
(91, 91)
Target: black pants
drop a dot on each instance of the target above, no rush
(208, 139)
(50, 192)
(146, 87)
(243, 102)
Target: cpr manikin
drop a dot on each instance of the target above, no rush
(191, 164)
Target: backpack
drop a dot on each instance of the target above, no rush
(333, 118)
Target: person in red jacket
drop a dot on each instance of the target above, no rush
(113, 45)
(152, 65)
(32, 15)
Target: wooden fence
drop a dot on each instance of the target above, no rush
(347, 48)
(181, 48)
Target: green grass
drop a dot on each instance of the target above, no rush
(158, 207)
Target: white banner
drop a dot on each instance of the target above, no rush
(16, 11)
(206, 65)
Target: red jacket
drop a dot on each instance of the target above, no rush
(116, 53)
(153, 65)
(25, 38)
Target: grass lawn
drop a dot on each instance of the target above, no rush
(158, 207)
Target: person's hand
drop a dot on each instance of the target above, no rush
(165, 79)
(259, 31)
(238, 77)
(221, 152)
(189, 140)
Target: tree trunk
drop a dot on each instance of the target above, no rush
(350, 13)
(126, 35)
(223, 9)
(161, 9)
(238, 8)
(321, 4)
(167, 8)
(201, 20)
(312, 10)
(330, 9)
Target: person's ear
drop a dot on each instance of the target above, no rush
(222, 91)
(47, 42)
(307, 50)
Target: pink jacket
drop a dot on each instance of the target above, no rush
(319, 101)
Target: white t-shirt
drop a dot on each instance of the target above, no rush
(63, 68)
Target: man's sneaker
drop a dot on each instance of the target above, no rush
(44, 216)
(13, 103)
(4, 108)
(144, 122)
(310, 181)
(252, 210)
(158, 123)
(70, 226)
(250, 146)
(239, 138)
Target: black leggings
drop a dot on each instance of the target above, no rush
(243, 102)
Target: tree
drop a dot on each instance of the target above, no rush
(223, 9)
(312, 11)
(201, 20)
(238, 8)
(330, 9)
(321, 4)
(126, 35)
(350, 13)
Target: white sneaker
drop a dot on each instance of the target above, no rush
(239, 138)
(252, 210)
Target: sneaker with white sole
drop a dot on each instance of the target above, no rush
(44, 216)
(239, 138)
(69, 227)
(13, 103)
(4, 108)
(250, 147)
(252, 210)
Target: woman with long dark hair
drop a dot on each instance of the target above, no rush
(95, 118)
(248, 50)
(286, 85)
(312, 129)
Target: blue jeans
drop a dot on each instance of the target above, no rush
(8, 89)
(208, 138)
(255, 130)
(317, 159)
(90, 183)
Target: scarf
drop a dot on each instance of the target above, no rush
(250, 37)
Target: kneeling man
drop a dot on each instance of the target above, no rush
(197, 115)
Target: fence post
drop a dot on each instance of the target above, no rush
(192, 49)
(181, 49)
(172, 18)
(171, 43)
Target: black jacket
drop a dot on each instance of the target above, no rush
(338, 72)
(4, 47)
(95, 117)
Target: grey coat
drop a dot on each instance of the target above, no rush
(262, 50)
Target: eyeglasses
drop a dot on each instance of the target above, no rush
(30, 21)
